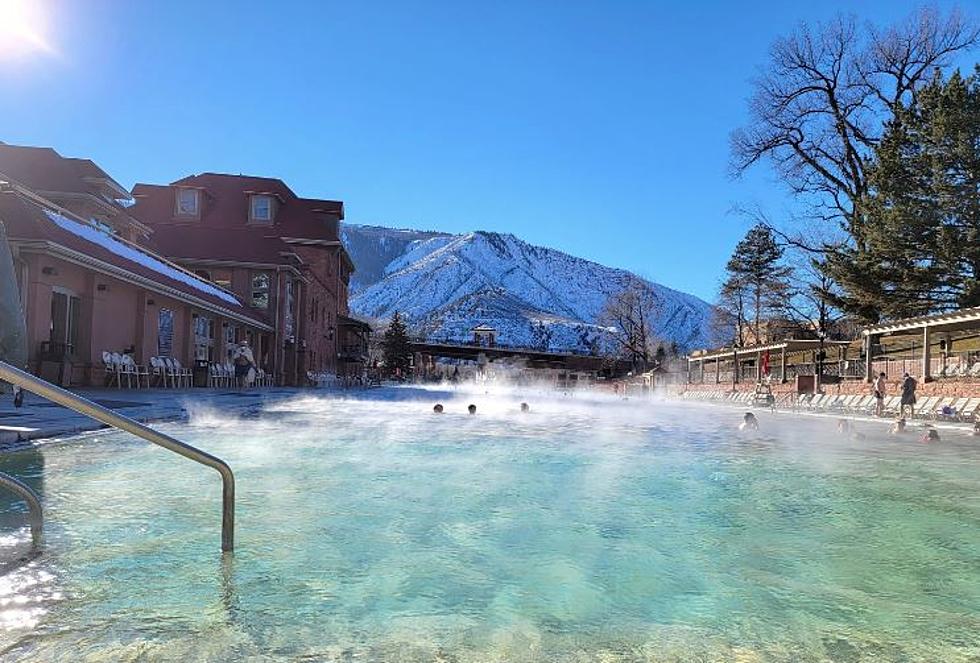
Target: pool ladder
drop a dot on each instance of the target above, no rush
(74, 402)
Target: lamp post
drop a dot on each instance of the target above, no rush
(821, 355)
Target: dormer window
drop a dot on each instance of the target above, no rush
(187, 202)
(261, 209)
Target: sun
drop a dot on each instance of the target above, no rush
(21, 27)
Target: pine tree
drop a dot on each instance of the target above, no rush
(756, 286)
(919, 250)
(397, 348)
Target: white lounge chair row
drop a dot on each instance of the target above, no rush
(223, 375)
(721, 396)
(119, 367)
(931, 407)
(163, 371)
(961, 370)
(949, 408)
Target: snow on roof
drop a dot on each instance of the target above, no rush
(123, 250)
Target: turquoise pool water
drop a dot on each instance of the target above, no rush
(372, 530)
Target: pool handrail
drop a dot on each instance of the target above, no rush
(35, 513)
(84, 406)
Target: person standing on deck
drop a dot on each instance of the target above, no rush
(244, 363)
(879, 390)
(908, 395)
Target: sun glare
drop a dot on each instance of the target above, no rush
(21, 28)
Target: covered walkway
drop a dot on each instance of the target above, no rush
(940, 345)
(782, 361)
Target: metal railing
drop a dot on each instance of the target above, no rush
(74, 402)
(25, 492)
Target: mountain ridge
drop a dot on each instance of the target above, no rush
(445, 284)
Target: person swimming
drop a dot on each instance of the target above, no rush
(525, 407)
(931, 435)
(976, 428)
(843, 427)
(898, 427)
(437, 408)
(749, 422)
(471, 409)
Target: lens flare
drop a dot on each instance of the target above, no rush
(21, 28)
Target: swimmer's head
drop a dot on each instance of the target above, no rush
(900, 424)
(525, 407)
(932, 435)
(843, 425)
(437, 408)
(749, 418)
(471, 409)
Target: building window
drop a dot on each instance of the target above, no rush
(260, 290)
(231, 332)
(203, 273)
(203, 338)
(261, 209)
(187, 200)
(165, 333)
(65, 308)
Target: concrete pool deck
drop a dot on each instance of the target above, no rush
(40, 419)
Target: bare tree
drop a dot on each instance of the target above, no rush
(823, 101)
(629, 313)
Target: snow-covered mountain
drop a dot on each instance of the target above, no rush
(445, 285)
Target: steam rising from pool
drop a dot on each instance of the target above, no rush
(590, 528)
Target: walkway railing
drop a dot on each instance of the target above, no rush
(26, 493)
(74, 402)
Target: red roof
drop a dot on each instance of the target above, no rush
(43, 169)
(222, 232)
(27, 220)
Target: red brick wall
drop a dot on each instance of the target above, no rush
(946, 387)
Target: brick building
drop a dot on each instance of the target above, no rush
(90, 279)
(280, 254)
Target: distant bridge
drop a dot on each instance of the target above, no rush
(535, 358)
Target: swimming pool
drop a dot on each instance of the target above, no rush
(369, 529)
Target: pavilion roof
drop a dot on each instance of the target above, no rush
(964, 317)
(794, 345)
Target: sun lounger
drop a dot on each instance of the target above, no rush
(955, 405)
(836, 402)
(892, 405)
(924, 408)
(969, 410)
(863, 404)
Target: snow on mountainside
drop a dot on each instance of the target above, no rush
(534, 296)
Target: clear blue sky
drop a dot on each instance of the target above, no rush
(597, 128)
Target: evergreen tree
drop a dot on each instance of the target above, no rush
(756, 287)
(397, 349)
(920, 219)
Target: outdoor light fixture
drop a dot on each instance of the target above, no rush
(48, 271)
(102, 287)
(150, 302)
